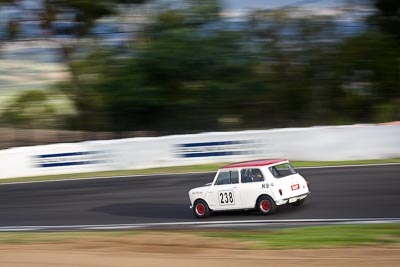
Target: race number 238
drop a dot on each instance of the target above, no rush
(226, 198)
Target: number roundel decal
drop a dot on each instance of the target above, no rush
(226, 198)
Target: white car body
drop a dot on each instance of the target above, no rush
(236, 188)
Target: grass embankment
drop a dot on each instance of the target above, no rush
(183, 169)
(318, 237)
(305, 237)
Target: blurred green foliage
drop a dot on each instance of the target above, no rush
(37, 109)
(31, 109)
(184, 72)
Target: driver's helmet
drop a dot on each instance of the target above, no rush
(256, 174)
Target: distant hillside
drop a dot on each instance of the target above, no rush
(29, 65)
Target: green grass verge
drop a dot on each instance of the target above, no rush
(289, 238)
(317, 237)
(182, 169)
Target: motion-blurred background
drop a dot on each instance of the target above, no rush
(82, 70)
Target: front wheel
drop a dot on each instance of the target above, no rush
(200, 209)
(266, 205)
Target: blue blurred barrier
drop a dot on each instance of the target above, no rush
(328, 143)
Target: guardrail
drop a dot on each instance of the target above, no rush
(307, 144)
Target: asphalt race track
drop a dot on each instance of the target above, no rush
(348, 192)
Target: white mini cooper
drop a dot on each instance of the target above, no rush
(257, 184)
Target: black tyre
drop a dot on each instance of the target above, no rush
(200, 209)
(299, 202)
(266, 205)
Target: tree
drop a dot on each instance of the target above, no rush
(198, 72)
(31, 109)
(180, 67)
(368, 66)
(81, 16)
(387, 18)
(296, 58)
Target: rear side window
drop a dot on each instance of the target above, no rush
(227, 177)
(251, 175)
(282, 170)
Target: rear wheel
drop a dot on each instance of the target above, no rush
(266, 205)
(200, 209)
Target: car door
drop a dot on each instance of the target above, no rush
(252, 185)
(224, 192)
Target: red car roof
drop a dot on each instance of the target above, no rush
(252, 163)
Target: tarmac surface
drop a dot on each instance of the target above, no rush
(336, 193)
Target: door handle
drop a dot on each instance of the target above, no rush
(234, 187)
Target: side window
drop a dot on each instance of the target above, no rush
(251, 175)
(234, 177)
(282, 170)
(227, 177)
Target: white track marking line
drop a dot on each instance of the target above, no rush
(196, 224)
(183, 173)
